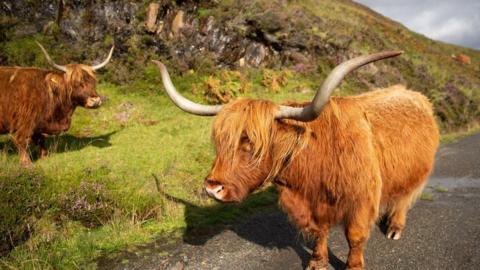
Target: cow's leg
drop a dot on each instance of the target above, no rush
(398, 217)
(357, 231)
(357, 237)
(39, 140)
(21, 141)
(319, 259)
(398, 212)
(300, 213)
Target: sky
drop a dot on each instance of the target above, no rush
(452, 21)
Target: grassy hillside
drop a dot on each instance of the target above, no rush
(133, 170)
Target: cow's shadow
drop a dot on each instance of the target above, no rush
(71, 143)
(270, 229)
(61, 144)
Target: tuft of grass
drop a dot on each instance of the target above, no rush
(427, 196)
(441, 189)
(204, 12)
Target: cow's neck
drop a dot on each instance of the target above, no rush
(60, 118)
(310, 165)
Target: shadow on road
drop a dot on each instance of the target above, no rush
(269, 230)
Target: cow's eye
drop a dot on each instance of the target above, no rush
(246, 145)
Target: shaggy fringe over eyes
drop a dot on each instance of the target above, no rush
(79, 73)
(255, 119)
(244, 118)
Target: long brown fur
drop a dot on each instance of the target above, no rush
(34, 102)
(363, 153)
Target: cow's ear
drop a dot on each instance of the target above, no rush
(88, 70)
(54, 85)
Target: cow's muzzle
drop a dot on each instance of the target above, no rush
(214, 189)
(93, 102)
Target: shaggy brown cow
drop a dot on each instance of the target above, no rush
(34, 101)
(334, 160)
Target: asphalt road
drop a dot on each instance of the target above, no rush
(442, 233)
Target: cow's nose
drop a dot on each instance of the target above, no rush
(93, 102)
(214, 191)
(214, 188)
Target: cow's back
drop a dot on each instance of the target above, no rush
(13, 79)
(405, 135)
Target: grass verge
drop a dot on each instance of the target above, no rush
(453, 137)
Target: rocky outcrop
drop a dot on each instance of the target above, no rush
(177, 23)
(172, 30)
(151, 20)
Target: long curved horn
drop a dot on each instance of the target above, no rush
(50, 61)
(182, 102)
(313, 110)
(106, 60)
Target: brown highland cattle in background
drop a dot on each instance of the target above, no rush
(334, 160)
(462, 58)
(35, 102)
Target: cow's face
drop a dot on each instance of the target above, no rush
(242, 133)
(232, 179)
(82, 82)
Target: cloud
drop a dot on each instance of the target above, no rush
(450, 21)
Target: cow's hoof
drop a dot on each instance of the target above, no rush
(316, 265)
(43, 154)
(394, 233)
(27, 164)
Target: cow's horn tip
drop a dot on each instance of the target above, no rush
(160, 64)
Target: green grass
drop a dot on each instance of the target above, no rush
(441, 189)
(453, 137)
(427, 196)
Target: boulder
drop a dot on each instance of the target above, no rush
(151, 19)
(177, 22)
(255, 54)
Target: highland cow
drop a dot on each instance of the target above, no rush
(333, 160)
(36, 102)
